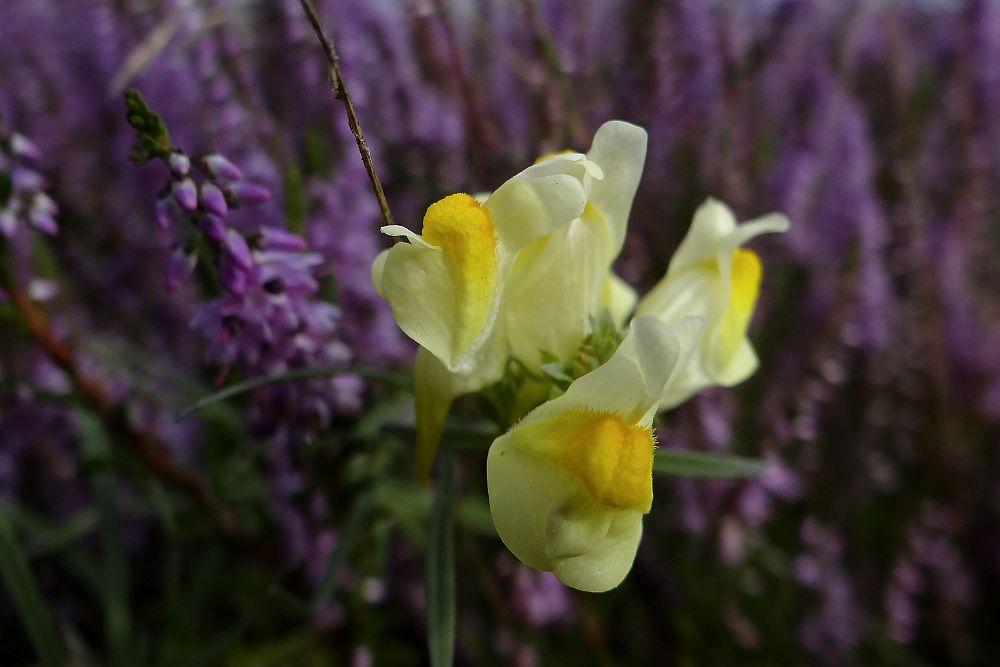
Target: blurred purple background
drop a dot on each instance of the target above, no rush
(874, 538)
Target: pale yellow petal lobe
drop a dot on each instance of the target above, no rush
(612, 458)
(463, 230)
(745, 288)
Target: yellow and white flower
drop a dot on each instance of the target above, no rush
(445, 286)
(569, 484)
(561, 282)
(526, 270)
(711, 276)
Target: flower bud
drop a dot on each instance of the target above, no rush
(219, 167)
(165, 212)
(185, 193)
(213, 227)
(275, 238)
(8, 221)
(247, 194)
(180, 265)
(213, 200)
(233, 277)
(235, 246)
(179, 163)
(23, 147)
(42, 214)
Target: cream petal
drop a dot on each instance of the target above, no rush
(632, 381)
(552, 292)
(619, 149)
(619, 298)
(743, 364)
(377, 267)
(575, 529)
(425, 302)
(695, 292)
(768, 224)
(524, 494)
(604, 566)
(525, 209)
(712, 224)
(399, 230)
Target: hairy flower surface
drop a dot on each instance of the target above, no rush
(712, 277)
(570, 483)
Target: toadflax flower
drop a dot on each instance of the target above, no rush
(713, 277)
(569, 484)
(522, 274)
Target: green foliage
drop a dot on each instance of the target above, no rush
(685, 463)
(441, 569)
(23, 591)
(295, 200)
(153, 139)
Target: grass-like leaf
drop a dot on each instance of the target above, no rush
(441, 569)
(23, 591)
(238, 388)
(114, 579)
(685, 463)
(356, 518)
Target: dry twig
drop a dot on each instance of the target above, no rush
(341, 93)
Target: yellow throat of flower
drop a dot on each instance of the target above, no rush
(464, 232)
(744, 290)
(610, 457)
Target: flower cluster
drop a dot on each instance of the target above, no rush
(269, 317)
(523, 276)
(22, 196)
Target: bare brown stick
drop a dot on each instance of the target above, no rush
(341, 93)
(114, 416)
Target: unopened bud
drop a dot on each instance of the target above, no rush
(23, 147)
(42, 214)
(275, 238)
(213, 201)
(179, 163)
(219, 167)
(247, 194)
(185, 193)
(180, 266)
(236, 247)
(8, 221)
(165, 212)
(232, 276)
(213, 227)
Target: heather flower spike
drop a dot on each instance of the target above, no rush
(713, 277)
(570, 483)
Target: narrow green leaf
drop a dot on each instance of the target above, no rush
(295, 200)
(356, 518)
(23, 591)
(441, 569)
(50, 537)
(238, 388)
(685, 463)
(114, 580)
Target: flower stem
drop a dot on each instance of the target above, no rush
(341, 93)
(114, 416)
